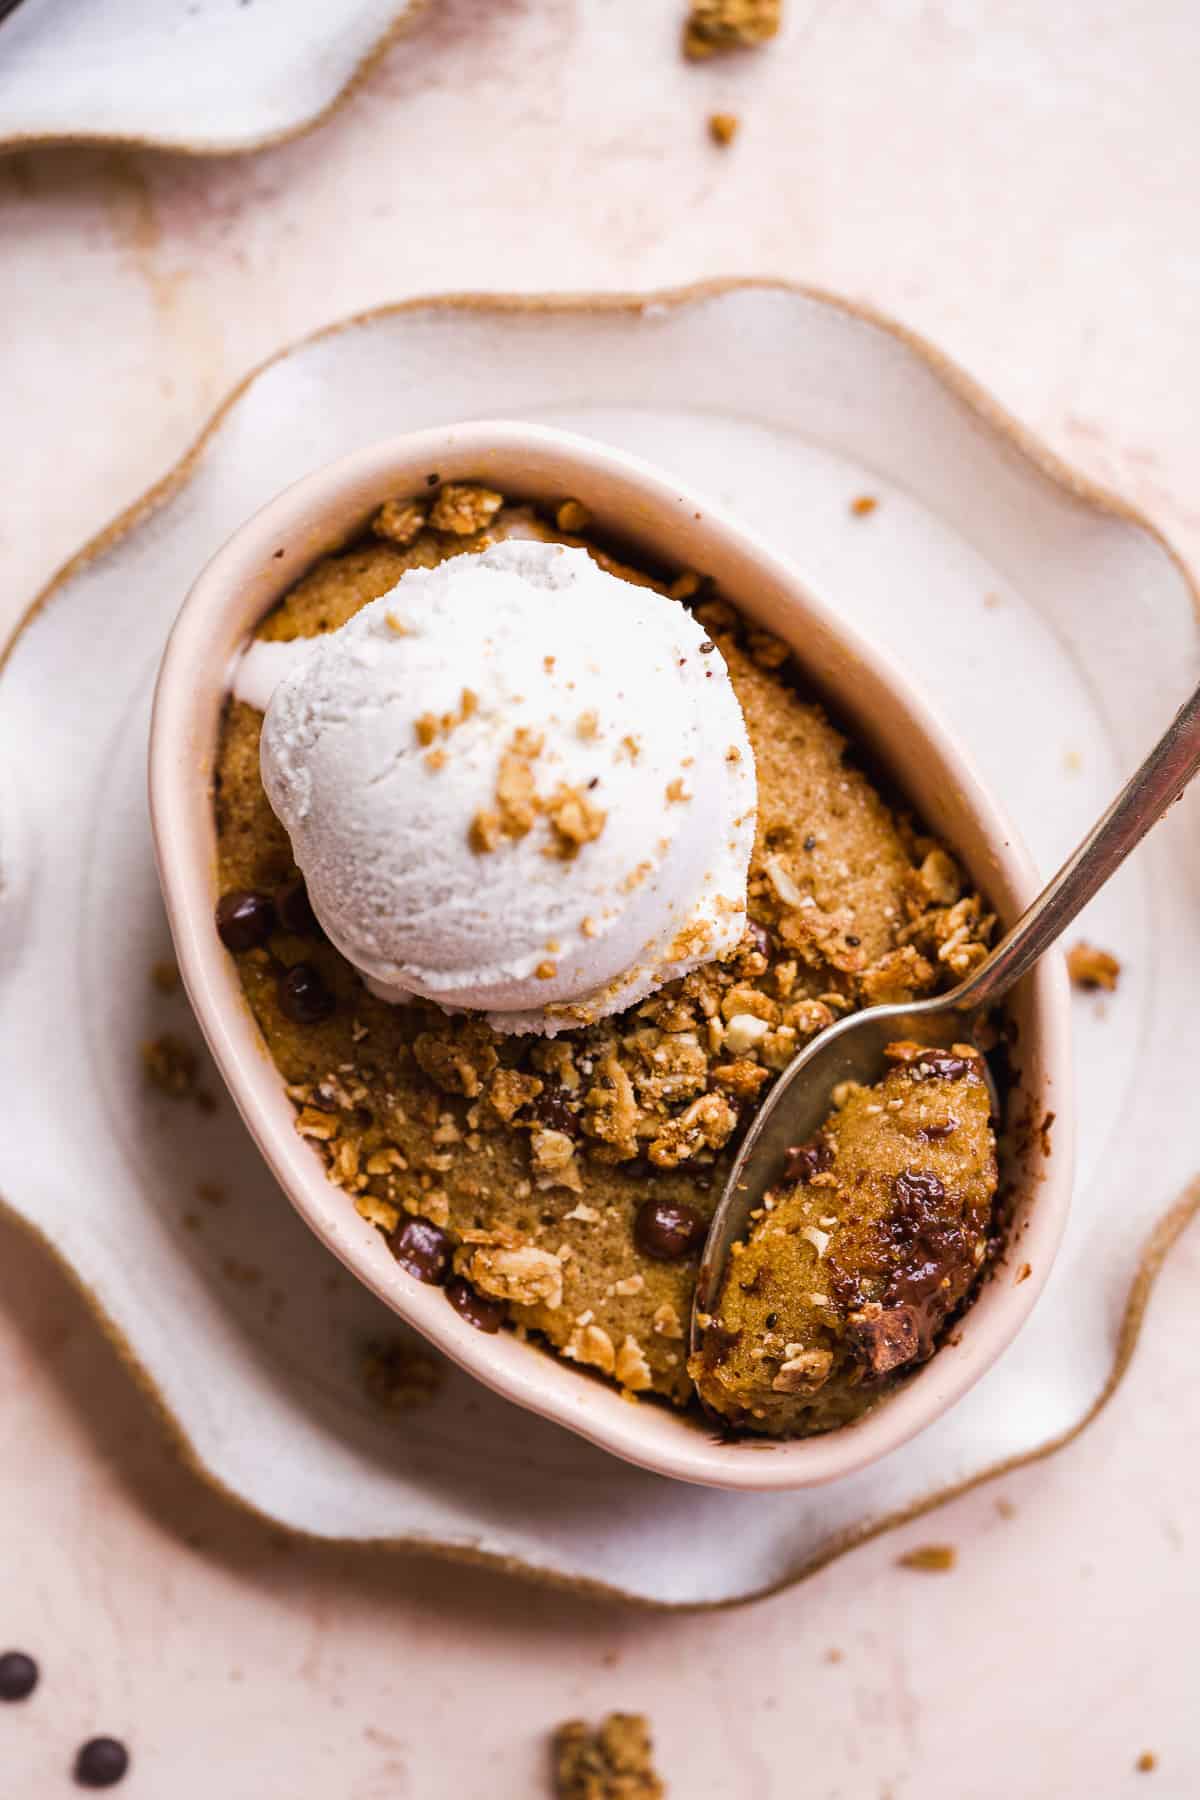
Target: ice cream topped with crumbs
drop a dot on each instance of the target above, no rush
(515, 784)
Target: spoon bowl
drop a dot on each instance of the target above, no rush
(799, 1104)
(854, 1049)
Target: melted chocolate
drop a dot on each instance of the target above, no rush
(935, 1258)
(806, 1160)
(929, 1134)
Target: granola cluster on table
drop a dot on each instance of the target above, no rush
(613, 1762)
(714, 26)
(562, 1187)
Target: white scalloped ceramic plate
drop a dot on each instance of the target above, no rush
(204, 76)
(1054, 630)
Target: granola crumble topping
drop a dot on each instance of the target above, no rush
(463, 509)
(535, 1157)
(400, 521)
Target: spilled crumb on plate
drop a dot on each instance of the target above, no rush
(929, 1559)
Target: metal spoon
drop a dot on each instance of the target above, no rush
(853, 1049)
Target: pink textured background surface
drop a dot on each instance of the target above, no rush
(1018, 187)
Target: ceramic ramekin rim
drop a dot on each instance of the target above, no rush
(180, 799)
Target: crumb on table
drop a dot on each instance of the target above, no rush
(723, 127)
(1146, 1762)
(172, 1067)
(930, 1559)
(716, 25)
(614, 1762)
(400, 1375)
(1091, 968)
(165, 977)
(863, 505)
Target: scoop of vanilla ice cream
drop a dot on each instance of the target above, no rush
(516, 784)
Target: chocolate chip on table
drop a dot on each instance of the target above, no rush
(668, 1230)
(18, 1675)
(422, 1250)
(101, 1762)
(245, 920)
(303, 995)
(476, 1308)
(294, 909)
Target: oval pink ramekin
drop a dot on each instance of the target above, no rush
(656, 518)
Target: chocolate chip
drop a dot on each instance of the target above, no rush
(707, 647)
(668, 1230)
(432, 480)
(422, 1249)
(550, 1108)
(930, 1133)
(932, 1064)
(244, 920)
(101, 1762)
(810, 842)
(476, 1308)
(294, 908)
(806, 1160)
(18, 1675)
(303, 995)
(852, 940)
(918, 1188)
(761, 938)
(886, 1337)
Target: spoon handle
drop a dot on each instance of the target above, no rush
(1155, 786)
